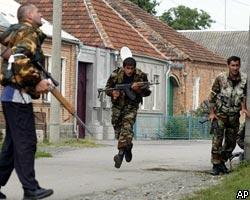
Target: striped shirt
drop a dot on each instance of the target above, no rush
(11, 94)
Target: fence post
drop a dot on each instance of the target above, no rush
(189, 127)
(135, 133)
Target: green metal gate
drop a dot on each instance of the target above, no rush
(178, 127)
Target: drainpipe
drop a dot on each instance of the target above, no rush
(78, 52)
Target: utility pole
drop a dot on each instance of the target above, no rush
(247, 133)
(55, 116)
(225, 25)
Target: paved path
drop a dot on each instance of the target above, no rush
(77, 172)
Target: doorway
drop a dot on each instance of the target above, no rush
(81, 97)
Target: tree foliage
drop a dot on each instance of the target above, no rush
(185, 18)
(147, 5)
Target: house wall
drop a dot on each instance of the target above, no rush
(68, 53)
(183, 95)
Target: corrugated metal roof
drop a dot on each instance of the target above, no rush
(8, 11)
(224, 43)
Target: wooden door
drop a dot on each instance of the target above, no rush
(81, 97)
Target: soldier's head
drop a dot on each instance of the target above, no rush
(129, 65)
(233, 64)
(29, 13)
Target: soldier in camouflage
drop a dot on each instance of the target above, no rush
(22, 81)
(227, 99)
(124, 110)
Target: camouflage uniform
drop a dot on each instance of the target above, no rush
(124, 110)
(25, 39)
(226, 97)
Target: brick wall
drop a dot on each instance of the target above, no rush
(183, 95)
(69, 53)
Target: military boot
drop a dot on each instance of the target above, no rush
(216, 170)
(118, 158)
(2, 196)
(128, 152)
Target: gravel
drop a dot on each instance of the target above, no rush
(180, 185)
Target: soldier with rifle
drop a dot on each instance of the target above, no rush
(125, 103)
(227, 99)
(22, 82)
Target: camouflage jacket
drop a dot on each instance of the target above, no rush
(117, 77)
(226, 96)
(24, 39)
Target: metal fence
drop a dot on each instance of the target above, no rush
(177, 127)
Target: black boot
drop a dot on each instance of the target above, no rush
(128, 153)
(118, 158)
(216, 170)
(2, 196)
(38, 193)
(224, 168)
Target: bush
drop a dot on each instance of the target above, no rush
(176, 128)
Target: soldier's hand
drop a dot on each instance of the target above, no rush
(43, 86)
(246, 112)
(136, 87)
(212, 117)
(115, 94)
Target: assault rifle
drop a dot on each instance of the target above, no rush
(127, 88)
(59, 96)
(205, 107)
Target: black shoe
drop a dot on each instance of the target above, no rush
(216, 170)
(118, 159)
(37, 194)
(128, 153)
(2, 196)
(224, 168)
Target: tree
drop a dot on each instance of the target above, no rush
(147, 5)
(185, 18)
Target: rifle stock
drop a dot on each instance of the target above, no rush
(68, 106)
(55, 92)
(62, 100)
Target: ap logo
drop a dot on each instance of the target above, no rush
(242, 194)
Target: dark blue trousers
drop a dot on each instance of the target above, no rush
(19, 147)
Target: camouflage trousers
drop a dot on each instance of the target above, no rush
(123, 119)
(224, 138)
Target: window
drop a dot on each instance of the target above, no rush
(61, 87)
(47, 65)
(145, 100)
(196, 93)
(62, 77)
(156, 93)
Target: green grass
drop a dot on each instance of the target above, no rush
(42, 154)
(227, 189)
(81, 143)
(39, 154)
